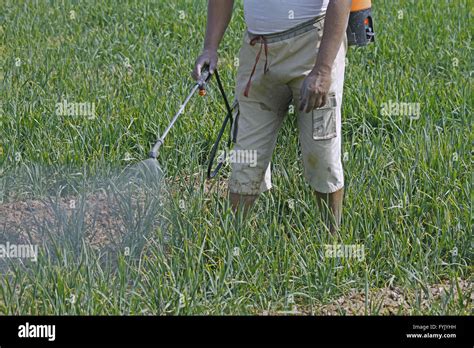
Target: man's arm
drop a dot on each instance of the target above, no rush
(219, 13)
(316, 86)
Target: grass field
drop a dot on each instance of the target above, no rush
(408, 179)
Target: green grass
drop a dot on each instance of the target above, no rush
(408, 181)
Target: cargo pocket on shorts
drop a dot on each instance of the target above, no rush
(235, 118)
(324, 120)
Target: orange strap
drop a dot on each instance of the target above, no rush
(263, 46)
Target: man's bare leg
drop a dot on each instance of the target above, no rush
(333, 201)
(239, 201)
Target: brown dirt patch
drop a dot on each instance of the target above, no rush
(390, 301)
(100, 218)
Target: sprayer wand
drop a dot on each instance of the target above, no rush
(200, 85)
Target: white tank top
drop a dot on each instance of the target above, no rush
(273, 16)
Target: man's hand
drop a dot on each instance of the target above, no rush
(219, 13)
(207, 57)
(316, 85)
(314, 91)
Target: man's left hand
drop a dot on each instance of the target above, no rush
(314, 90)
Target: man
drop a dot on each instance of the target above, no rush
(293, 50)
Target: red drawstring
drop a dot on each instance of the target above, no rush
(264, 46)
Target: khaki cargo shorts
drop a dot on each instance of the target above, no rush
(276, 81)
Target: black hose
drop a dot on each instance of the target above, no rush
(212, 156)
